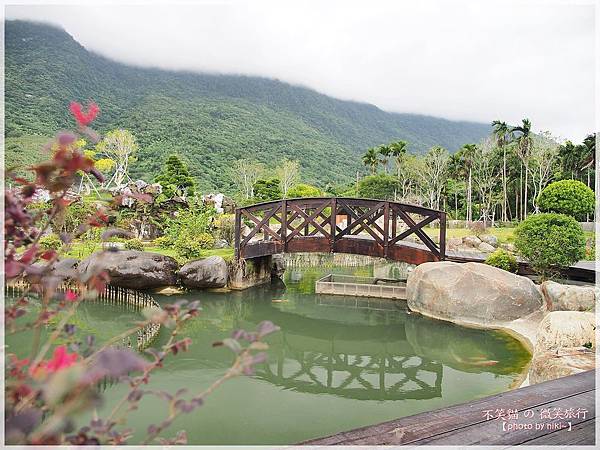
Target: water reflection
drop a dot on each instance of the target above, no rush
(359, 348)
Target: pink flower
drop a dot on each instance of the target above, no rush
(71, 296)
(60, 359)
(82, 118)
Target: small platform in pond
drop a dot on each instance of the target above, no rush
(334, 284)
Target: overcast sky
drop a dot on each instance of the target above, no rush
(470, 60)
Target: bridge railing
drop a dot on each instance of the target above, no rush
(346, 225)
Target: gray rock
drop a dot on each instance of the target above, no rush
(62, 270)
(561, 348)
(485, 247)
(564, 297)
(65, 268)
(470, 292)
(472, 241)
(131, 268)
(221, 243)
(509, 247)
(454, 243)
(211, 272)
(565, 329)
(560, 363)
(490, 239)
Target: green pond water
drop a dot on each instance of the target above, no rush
(338, 363)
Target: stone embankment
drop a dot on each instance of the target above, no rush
(145, 270)
(555, 322)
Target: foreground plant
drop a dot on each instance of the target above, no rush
(47, 391)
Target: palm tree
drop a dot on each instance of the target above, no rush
(371, 159)
(524, 142)
(466, 155)
(503, 135)
(385, 151)
(398, 150)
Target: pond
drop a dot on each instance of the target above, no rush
(338, 363)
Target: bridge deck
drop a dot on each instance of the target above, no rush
(467, 424)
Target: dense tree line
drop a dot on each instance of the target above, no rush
(497, 179)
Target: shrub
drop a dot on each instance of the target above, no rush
(134, 244)
(162, 242)
(225, 227)
(189, 245)
(195, 220)
(267, 190)
(50, 242)
(303, 191)
(381, 187)
(503, 260)
(570, 197)
(550, 241)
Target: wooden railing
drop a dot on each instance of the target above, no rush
(344, 225)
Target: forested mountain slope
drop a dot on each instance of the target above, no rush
(210, 120)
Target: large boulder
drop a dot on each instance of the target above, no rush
(565, 344)
(471, 241)
(485, 247)
(561, 329)
(564, 297)
(470, 292)
(132, 268)
(211, 272)
(489, 239)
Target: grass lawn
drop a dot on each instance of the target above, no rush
(504, 235)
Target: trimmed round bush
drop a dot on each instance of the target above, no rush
(134, 244)
(550, 241)
(304, 190)
(50, 242)
(570, 197)
(503, 260)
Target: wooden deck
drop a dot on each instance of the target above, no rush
(557, 412)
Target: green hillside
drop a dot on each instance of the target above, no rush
(210, 120)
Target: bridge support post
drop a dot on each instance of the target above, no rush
(442, 236)
(284, 224)
(238, 232)
(333, 224)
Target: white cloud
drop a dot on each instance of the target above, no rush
(470, 60)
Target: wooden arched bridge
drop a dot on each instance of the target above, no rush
(376, 228)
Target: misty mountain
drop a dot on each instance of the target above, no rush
(209, 120)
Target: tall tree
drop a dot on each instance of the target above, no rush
(466, 155)
(385, 151)
(503, 135)
(398, 151)
(244, 174)
(175, 178)
(288, 173)
(485, 176)
(544, 155)
(523, 140)
(120, 146)
(371, 159)
(434, 174)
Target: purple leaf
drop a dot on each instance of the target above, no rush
(266, 327)
(113, 363)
